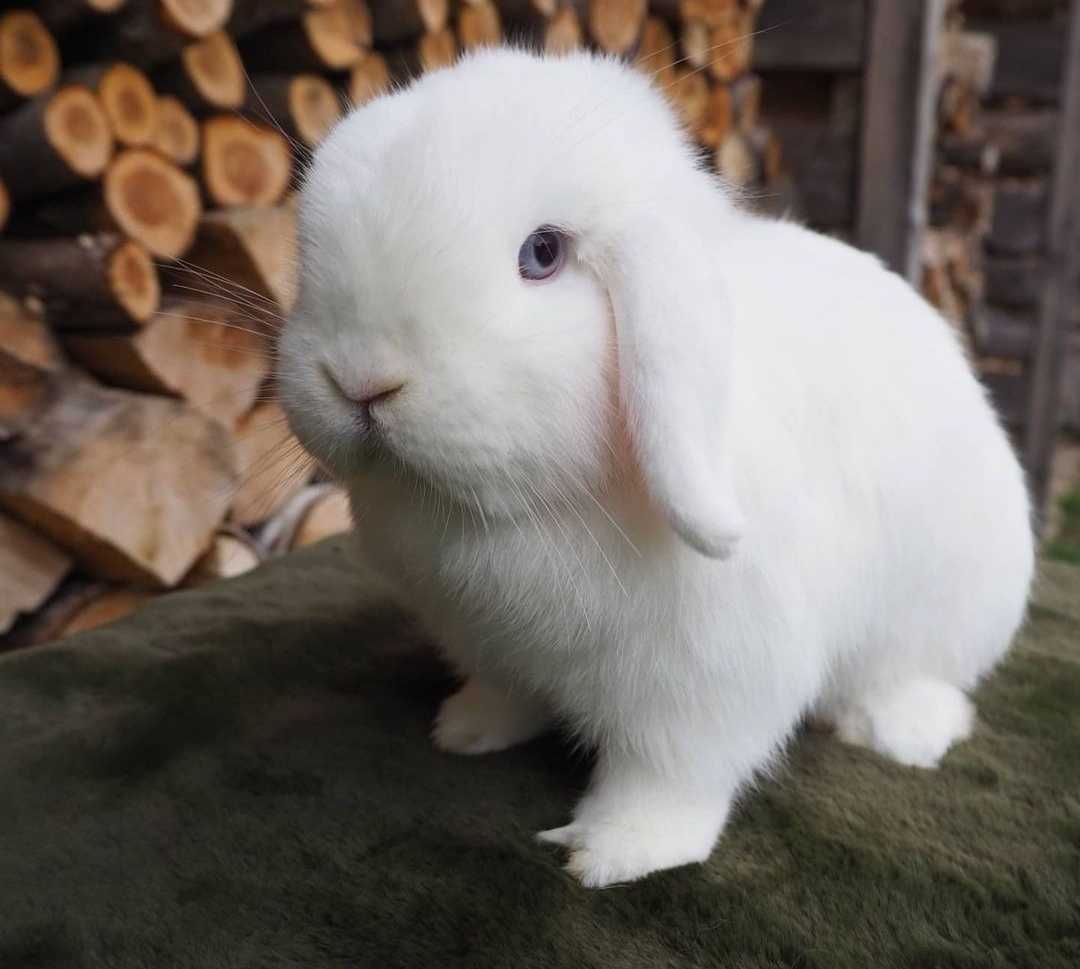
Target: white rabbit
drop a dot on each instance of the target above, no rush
(669, 474)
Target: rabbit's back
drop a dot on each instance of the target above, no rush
(872, 462)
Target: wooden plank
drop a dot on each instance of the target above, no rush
(1062, 277)
(1031, 55)
(810, 35)
(898, 125)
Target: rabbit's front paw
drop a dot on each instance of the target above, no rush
(621, 848)
(481, 718)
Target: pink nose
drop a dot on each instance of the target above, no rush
(364, 394)
(367, 394)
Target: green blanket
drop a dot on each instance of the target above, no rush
(241, 776)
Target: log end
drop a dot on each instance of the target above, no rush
(615, 25)
(29, 57)
(176, 134)
(196, 18)
(438, 49)
(244, 163)
(333, 35)
(133, 278)
(369, 78)
(563, 33)
(313, 106)
(77, 128)
(153, 202)
(479, 25)
(434, 14)
(215, 70)
(130, 104)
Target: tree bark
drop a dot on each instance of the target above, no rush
(54, 142)
(86, 282)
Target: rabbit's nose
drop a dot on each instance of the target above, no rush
(365, 394)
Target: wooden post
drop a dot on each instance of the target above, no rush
(1061, 287)
(897, 128)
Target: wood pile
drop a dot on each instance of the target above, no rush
(998, 122)
(148, 152)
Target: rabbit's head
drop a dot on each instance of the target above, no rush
(510, 290)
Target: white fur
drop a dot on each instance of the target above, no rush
(718, 474)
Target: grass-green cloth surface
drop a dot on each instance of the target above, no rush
(241, 776)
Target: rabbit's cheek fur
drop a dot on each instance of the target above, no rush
(668, 498)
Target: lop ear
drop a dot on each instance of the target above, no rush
(674, 330)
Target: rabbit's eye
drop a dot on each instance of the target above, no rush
(542, 254)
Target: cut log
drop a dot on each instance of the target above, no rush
(736, 160)
(127, 98)
(305, 107)
(315, 512)
(273, 466)
(564, 32)
(143, 196)
(63, 15)
(719, 116)
(971, 151)
(369, 78)
(769, 153)
(25, 335)
(396, 21)
(133, 486)
(205, 351)
(246, 255)
(79, 605)
(177, 133)
(29, 58)
(960, 200)
(196, 18)
(31, 568)
(694, 42)
(152, 201)
(969, 57)
(25, 392)
(329, 515)
(657, 52)
(428, 53)
(88, 281)
(209, 76)
(479, 25)
(331, 38)
(746, 103)
(101, 606)
(690, 95)
(251, 15)
(54, 142)
(244, 163)
(151, 32)
(731, 45)
(231, 553)
(616, 25)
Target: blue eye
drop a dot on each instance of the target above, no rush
(542, 254)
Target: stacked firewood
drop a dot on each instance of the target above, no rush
(998, 126)
(148, 152)
(966, 163)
